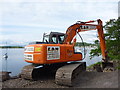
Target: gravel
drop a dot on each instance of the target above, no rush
(84, 80)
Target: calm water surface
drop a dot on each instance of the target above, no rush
(15, 60)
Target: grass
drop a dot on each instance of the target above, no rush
(98, 63)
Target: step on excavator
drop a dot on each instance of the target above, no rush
(56, 53)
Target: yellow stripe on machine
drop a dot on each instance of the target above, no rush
(37, 49)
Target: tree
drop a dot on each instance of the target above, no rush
(112, 37)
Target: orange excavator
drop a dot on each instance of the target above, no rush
(57, 53)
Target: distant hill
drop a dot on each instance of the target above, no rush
(84, 44)
(22, 46)
(11, 46)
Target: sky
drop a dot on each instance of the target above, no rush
(23, 21)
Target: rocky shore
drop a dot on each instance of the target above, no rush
(91, 78)
(84, 80)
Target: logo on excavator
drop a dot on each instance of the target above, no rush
(87, 27)
(53, 52)
(69, 52)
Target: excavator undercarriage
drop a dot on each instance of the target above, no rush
(64, 73)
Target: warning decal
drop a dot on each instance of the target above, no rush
(53, 52)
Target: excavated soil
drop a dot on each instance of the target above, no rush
(84, 80)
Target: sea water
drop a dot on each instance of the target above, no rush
(15, 60)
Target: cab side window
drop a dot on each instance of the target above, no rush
(54, 39)
(60, 39)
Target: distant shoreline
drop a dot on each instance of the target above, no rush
(11, 47)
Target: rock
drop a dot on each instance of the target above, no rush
(108, 69)
(98, 68)
(116, 64)
(14, 77)
(4, 76)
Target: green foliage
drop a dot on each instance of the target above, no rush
(112, 37)
(98, 63)
(118, 68)
(96, 51)
(81, 44)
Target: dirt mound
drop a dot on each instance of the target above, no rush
(98, 80)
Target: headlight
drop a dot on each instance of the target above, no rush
(29, 49)
(28, 57)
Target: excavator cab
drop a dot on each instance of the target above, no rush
(53, 38)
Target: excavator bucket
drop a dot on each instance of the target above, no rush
(108, 66)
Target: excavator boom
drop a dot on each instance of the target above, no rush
(84, 26)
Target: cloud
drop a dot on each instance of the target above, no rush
(52, 12)
(88, 36)
(119, 9)
(28, 20)
(18, 1)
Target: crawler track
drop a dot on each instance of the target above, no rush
(67, 74)
(34, 72)
(27, 72)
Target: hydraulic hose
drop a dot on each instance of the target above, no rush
(83, 45)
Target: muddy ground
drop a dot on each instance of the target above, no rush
(84, 80)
